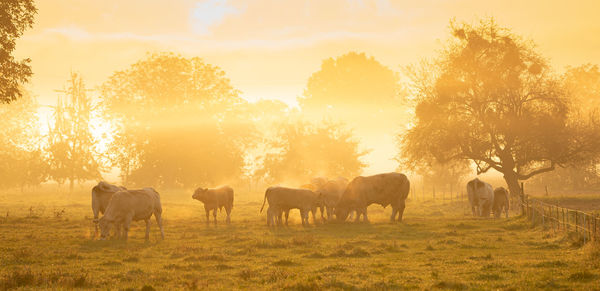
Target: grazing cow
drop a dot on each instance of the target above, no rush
(332, 192)
(501, 202)
(382, 189)
(282, 199)
(481, 197)
(132, 205)
(216, 198)
(101, 194)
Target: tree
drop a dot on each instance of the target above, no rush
(302, 151)
(350, 86)
(15, 17)
(177, 123)
(70, 142)
(492, 99)
(583, 84)
(21, 160)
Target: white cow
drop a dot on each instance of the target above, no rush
(481, 197)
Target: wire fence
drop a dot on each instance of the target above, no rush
(560, 218)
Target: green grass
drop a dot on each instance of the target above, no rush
(438, 246)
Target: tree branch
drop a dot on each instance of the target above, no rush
(538, 171)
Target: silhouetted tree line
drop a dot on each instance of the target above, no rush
(489, 101)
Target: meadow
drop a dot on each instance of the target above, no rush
(47, 242)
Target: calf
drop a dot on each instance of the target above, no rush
(216, 198)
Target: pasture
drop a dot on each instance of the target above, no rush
(439, 245)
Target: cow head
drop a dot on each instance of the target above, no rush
(341, 213)
(199, 194)
(104, 228)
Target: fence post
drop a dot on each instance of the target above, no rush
(543, 214)
(576, 218)
(522, 195)
(584, 227)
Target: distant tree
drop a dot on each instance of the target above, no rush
(70, 141)
(583, 84)
(21, 160)
(492, 99)
(354, 88)
(177, 121)
(15, 17)
(302, 151)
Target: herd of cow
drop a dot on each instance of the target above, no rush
(338, 198)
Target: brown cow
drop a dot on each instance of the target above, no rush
(282, 199)
(382, 189)
(101, 194)
(501, 202)
(216, 198)
(132, 205)
(332, 192)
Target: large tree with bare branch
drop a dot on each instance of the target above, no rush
(491, 98)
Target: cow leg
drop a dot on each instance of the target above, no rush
(304, 217)
(126, 225)
(147, 238)
(314, 211)
(158, 217)
(270, 216)
(394, 211)
(506, 210)
(329, 212)
(365, 217)
(228, 210)
(215, 215)
(207, 211)
(401, 207)
(357, 214)
(287, 216)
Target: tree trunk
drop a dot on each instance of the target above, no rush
(513, 184)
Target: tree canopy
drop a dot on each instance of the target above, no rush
(176, 121)
(15, 17)
(301, 151)
(491, 98)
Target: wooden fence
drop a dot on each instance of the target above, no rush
(560, 218)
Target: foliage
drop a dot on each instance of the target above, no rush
(177, 121)
(491, 98)
(583, 83)
(302, 151)
(70, 142)
(353, 88)
(21, 160)
(15, 17)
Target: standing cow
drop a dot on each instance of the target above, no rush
(501, 202)
(383, 189)
(215, 198)
(282, 199)
(481, 197)
(132, 205)
(101, 194)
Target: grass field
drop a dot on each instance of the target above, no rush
(438, 246)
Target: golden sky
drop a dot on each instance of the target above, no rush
(269, 48)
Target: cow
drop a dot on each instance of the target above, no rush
(215, 198)
(481, 197)
(132, 205)
(101, 194)
(331, 193)
(383, 189)
(282, 199)
(501, 202)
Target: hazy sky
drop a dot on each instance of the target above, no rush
(269, 48)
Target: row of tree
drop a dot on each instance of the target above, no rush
(488, 101)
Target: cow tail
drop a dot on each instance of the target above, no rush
(264, 200)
